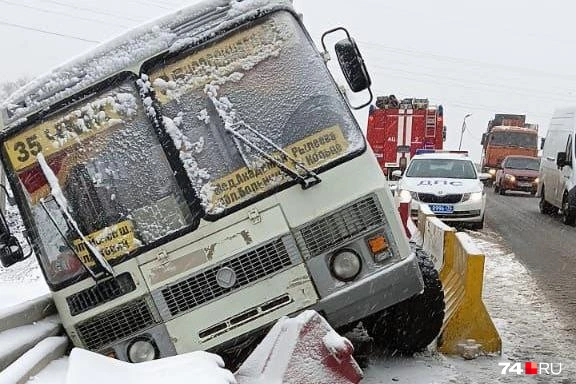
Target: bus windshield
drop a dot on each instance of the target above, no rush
(264, 85)
(259, 90)
(514, 139)
(113, 175)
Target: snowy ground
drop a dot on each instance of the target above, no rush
(22, 281)
(529, 325)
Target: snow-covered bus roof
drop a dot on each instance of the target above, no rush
(187, 26)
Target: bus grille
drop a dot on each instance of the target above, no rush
(202, 287)
(346, 223)
(99, 294)
(116, 324)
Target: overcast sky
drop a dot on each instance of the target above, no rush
(481, 58)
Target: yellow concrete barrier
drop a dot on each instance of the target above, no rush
(461, 267)
(466, 315)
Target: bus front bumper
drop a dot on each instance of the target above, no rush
(372, 294)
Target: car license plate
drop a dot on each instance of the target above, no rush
(441, 208)
(524, 184)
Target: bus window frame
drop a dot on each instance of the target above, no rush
(192, 202)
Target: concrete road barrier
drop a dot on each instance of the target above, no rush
(461, 267)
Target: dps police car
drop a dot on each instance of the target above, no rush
(449, 184)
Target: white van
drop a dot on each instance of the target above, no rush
(557, 177)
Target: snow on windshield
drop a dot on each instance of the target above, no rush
(266, 79)
(109, 175)
(124, 52)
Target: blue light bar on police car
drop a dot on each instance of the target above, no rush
(424, 151)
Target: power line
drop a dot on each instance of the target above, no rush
(460, 60)
(92, 10)
(147, 3)
(475, 106)
(534, 93)
(47, 32)
(61, 14)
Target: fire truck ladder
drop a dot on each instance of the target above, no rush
(430, 123)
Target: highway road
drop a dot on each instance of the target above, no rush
(542, 243)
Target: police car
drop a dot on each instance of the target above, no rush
(448, 183)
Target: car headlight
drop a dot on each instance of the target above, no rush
(476, 196)
(142, 350)
(345, 265)
(492, 172)
(537, 180)
(510, 177)
(405, 195)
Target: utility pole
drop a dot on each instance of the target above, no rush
(463, 129)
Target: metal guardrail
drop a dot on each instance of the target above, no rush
(31, 336)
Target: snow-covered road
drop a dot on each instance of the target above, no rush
(531, 328)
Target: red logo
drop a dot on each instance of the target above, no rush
(531, 368)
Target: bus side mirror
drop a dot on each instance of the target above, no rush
(10, 251)
(352, 64)
(561, 159)
(542, 141)
(483, 140)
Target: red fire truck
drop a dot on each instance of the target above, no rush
(397, 129)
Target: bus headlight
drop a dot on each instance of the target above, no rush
(345, 265)
(142, 350)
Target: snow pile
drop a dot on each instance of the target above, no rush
(197, 176)
(33, 359)
(138, 45)
(94, 115)
(195, 367)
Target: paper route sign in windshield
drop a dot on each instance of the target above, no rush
(312, 151)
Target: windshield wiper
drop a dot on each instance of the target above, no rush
(68, 244)
(70, 222)
(310, 177)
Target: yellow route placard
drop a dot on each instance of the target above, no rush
(312, 151)
(113, 242)
(57, 134)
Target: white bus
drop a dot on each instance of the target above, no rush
(187, 184)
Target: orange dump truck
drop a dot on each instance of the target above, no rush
(507, 135)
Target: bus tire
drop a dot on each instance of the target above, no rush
(410, 326)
